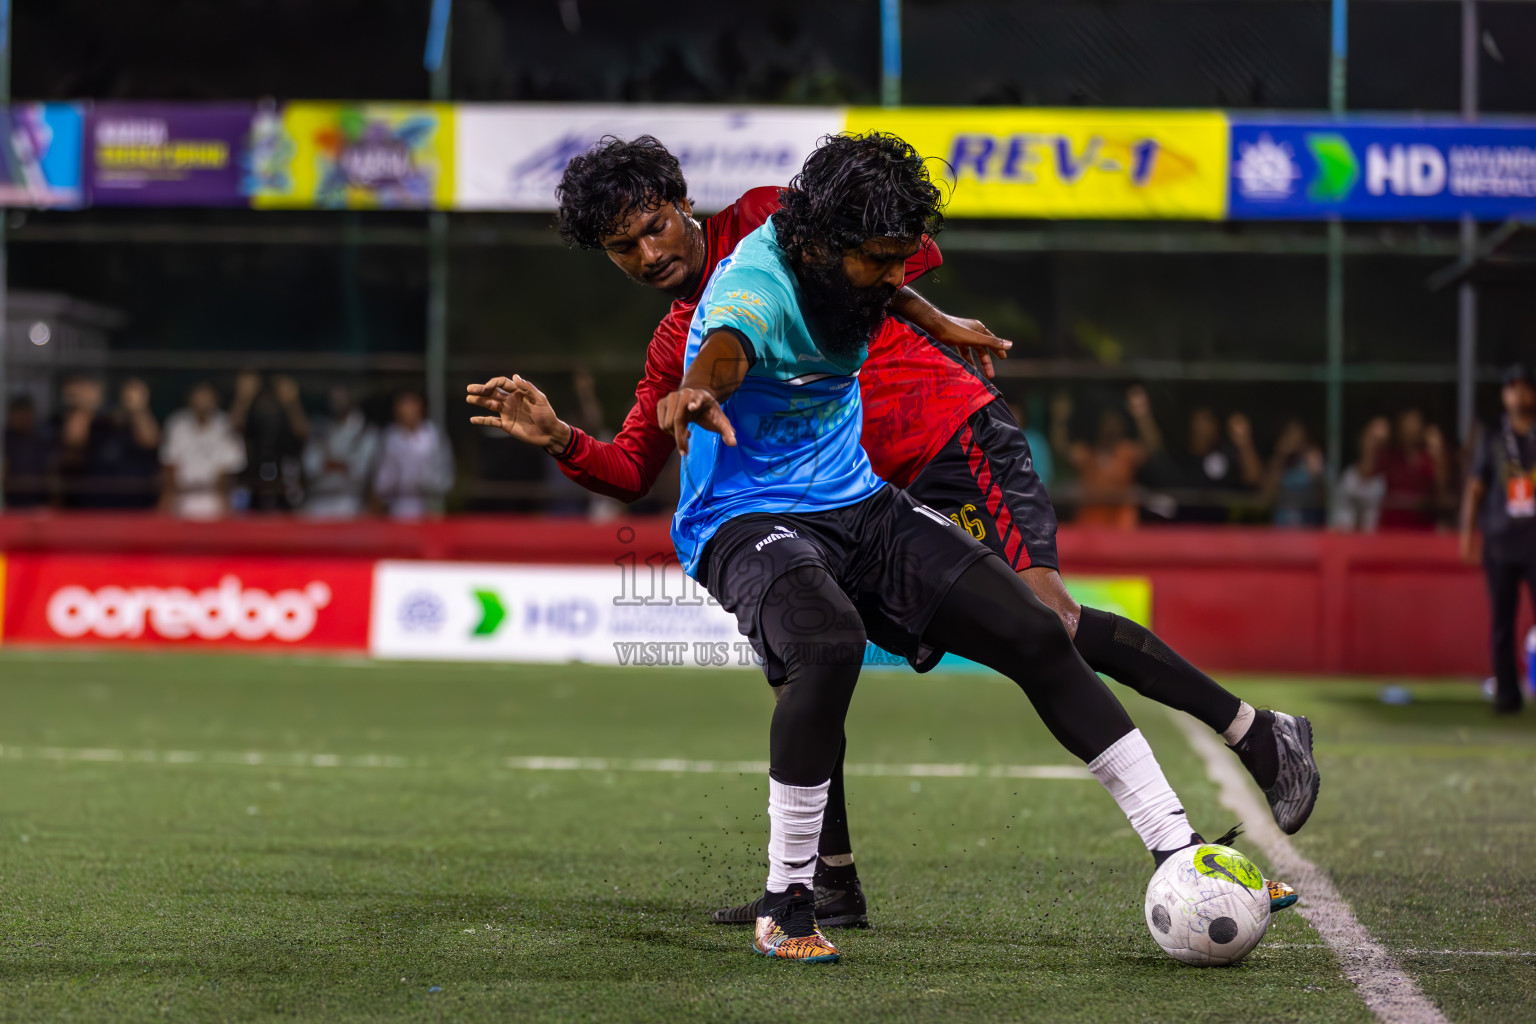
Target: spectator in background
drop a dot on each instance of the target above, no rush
(416, 467)
(1417, 472)
(272, 422)
(339, 459)
(1361, 488)
(1500, 496)
(1106, 469)
(29, 455)
(132, 455)
(1211, 464)
(200, 454)
(82, 439)
(566, 496)
(1296, 483)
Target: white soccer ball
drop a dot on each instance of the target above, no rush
(1207, 905)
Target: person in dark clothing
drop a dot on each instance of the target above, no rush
(29, 456)
(271, 419)
(1500, 497)
(1212, 465)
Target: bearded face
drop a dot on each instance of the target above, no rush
(841, 315)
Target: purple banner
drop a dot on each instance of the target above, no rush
(160, 154)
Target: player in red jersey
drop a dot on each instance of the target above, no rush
(932, 424)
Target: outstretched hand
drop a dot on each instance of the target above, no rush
(693, 405)
(520, 410)
(973, 341)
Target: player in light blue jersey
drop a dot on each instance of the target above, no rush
(798, 407)
(787, 526)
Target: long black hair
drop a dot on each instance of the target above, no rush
(605, 186)
(855, 187)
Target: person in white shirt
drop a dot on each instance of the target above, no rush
(1362, 487)
(199, 452)
(416, 466)
(339, 460)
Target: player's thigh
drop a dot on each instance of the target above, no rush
(908, 558)
(984, 481)
(744, 563)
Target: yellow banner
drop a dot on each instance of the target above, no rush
(355, 156)
(1069, 164)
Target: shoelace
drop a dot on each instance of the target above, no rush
(798, 919)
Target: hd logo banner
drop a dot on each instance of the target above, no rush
(1065, 164)
(1309, 169)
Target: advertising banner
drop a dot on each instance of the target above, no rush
(40, 161)
(511, 157)
(163, 154)
(602, 615)
(1019, 162)
(354, 156)
(636, 615)
(95, 600)
(1381, 170)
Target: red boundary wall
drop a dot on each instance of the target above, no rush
(1229, 599)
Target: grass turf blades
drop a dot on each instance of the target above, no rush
(452, 886)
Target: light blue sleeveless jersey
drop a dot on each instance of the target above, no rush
(797, 414)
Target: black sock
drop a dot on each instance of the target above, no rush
(1133, 655)
(835, 841)
(1158, 856)
(1257, 749)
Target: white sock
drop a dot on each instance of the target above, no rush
(794, 831)
(1235, 732)
(1132, 776)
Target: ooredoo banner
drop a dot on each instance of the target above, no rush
(1024, 162)
(164, 154)
(1312, 168)
(511, 157)
(231, 602)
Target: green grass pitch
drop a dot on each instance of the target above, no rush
(380, 860)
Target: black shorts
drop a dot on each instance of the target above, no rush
(895, 559)
(984, 480)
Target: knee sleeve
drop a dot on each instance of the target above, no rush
(812, 626)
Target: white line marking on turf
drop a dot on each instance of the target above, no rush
(911, 771)
(533, 764)
(1412, 952)
(246, 757)
(1389, 993)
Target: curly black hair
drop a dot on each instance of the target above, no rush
(855, 187)
(604, 186)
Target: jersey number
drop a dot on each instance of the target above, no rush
(972, 526)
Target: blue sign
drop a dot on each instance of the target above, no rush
(40, 154)
(1378, 169)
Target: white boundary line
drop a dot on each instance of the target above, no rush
(1389, 993)
(257, 758)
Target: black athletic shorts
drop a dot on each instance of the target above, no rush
(984, 480)
(895, 559)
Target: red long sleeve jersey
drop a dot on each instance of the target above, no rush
(916, 392)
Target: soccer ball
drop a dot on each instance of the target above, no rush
(1207, 905)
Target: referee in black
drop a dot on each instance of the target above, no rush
(1500, 497)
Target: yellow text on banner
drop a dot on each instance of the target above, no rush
(355, 156)
(1067, 164)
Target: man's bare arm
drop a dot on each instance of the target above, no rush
(715, 375)
(970, 337)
